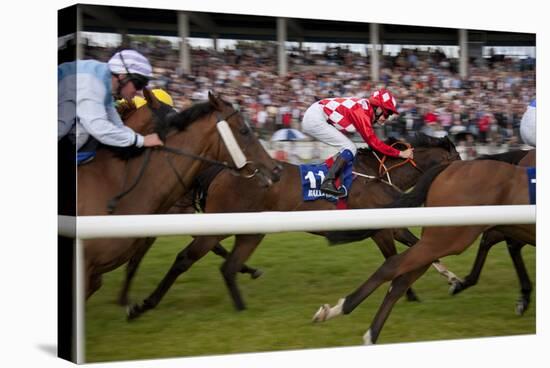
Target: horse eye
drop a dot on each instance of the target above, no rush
(244, 130)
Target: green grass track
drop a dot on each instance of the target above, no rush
(301, 273)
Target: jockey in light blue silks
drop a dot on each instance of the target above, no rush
(86, 92)
(527, 128)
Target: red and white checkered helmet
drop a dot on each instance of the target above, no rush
(385, 100)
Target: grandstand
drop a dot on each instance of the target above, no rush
(449, 82)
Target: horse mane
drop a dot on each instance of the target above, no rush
(419, 140)
(426, 141)
(179, 121)
(197, 111)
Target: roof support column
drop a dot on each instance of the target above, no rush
(215, 42)
(374, 32)
(183, 32)
(463, 52)
(281, 39)
(78, 40)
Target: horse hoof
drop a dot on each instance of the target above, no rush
(132, 312)
(455, 288)
(411, 297)
(256, 274)
(367, 338)
(521, 307)
(321, 314)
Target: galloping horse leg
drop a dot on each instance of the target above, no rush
(396, 290)
(243, 249)
(431, 247)
(93, 283)
(199, 247)
(135, 261)
(131, 269)
(488, 239)
(405, 237)
(514, 248)
(222, 252)
(384, 240)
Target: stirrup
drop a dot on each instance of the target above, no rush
(329, 187)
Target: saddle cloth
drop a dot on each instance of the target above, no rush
(312, 175)
(532, 182)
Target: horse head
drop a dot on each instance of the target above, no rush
(430, 151)
(242, 145)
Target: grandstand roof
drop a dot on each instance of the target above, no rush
(162, 22)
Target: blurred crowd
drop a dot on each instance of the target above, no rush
(485, 108)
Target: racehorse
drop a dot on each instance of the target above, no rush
(286, 195)
(159, 177)
(142, 121)
(492, 237)
(464, 183)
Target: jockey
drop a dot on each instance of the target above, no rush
(86, 93)
(328, 118)
(527, 127)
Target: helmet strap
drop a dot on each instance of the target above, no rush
(121, 83)
(381, 101)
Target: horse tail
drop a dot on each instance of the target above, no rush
(414, 198)
(417, 196)
(343, 237)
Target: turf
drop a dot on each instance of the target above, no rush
(301, 273)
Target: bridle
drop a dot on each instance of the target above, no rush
(383, 170)
(112, 203)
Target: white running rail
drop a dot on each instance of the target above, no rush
(273, 222)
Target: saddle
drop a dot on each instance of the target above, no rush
(87, 152)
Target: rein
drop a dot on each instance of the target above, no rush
(383, 170)
(111, 205)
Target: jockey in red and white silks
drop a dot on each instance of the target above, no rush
(327, 119)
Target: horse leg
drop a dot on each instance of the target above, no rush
(384, 240)
(396, 290)
(93, 283)
(406, 237)
(514, 248)
(488, 239)
(431, 247)
(222, 252)
(199, 247)
(131, 269)
(243, 249)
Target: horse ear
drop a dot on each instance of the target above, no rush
(151, 99)
(214, 101)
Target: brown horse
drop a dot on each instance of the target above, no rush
(286, 196)
(492, 237)
(471, 183)
(192, 144)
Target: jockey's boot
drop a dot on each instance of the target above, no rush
(328, 185)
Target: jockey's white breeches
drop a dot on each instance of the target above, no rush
(527, 128)
(315, 124)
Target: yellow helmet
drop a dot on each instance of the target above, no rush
(139, 101)
(161, 94)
